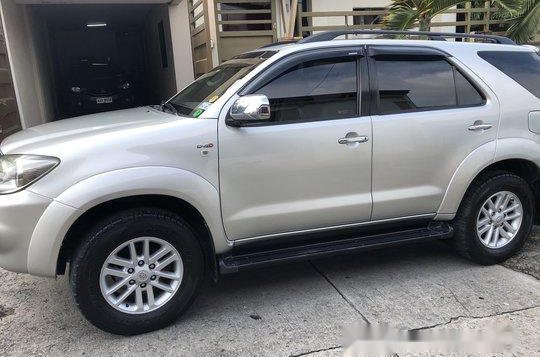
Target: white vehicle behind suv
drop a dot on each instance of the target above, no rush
(284, 153)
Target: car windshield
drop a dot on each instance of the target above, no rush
(205, 90)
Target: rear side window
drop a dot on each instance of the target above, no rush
(522, 67)
(413, 85)
(467, 94)
(315, 90)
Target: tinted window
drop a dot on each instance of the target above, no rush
(413, 85)
(467, 94)
(523, 67)
(314, 90)
(422, 85)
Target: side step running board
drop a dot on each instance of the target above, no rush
(234, 263)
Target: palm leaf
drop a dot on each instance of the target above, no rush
(401, 18)
(439, 6)
(524, 26)
(402, 15)
(509, 6)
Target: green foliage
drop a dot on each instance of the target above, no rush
(401, 17)
(523, 16)
(524, 21)
(405, 14)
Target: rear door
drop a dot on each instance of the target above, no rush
(310, 166)
(429, 114)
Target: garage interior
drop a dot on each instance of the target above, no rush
(100, 57)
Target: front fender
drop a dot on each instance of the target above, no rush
(54, 224)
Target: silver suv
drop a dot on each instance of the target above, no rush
(285, 153)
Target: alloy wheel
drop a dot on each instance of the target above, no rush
(499, 219)
(141, 275)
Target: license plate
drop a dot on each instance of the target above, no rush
(104, 100)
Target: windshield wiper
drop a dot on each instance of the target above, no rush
(169, 107)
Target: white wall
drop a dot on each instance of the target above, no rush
(341, 5)
(92, 1)
(349, 5)
(212, 26)
(346, 5)
(281, 34)
(40, 50)
(181, 44)
(22, 64)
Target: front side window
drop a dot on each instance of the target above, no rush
(522, 67)
(413, 85)
(323, 89)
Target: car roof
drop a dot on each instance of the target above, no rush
(450, 47)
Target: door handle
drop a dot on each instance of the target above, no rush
(355, 139)
(477, 126)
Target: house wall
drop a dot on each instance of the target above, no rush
(162, 81)
(212, 26)
(38, 33)
(181, 44)
(349, 5)
(10, 121)
(26, 78)
(30, 49)
(280, 24)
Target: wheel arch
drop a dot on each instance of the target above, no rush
(523, 168)
(517, 155)
(176, 205)
(167, 187)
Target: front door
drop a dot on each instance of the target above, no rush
(429, 116)
(310, 166)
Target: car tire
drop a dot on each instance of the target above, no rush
(90, 265)
(476, 218)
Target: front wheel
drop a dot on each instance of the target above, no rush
(137, 271)
(495, 218)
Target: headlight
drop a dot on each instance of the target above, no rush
(76, 89)
(126, 85)
(20, 171)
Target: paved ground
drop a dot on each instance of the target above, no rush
(296, 310)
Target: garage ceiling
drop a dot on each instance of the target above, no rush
(75, 17)
(97, 1)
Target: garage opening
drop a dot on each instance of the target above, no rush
(102, 57)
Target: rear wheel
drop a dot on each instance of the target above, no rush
(137, 271)
(495, 218)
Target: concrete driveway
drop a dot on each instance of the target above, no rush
(297, 309)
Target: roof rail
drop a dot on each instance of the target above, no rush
(279, 43)
(435, 36)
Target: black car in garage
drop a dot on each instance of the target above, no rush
(97, 86)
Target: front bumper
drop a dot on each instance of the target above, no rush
(19, 215)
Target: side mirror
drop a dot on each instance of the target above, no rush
(249, 110)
